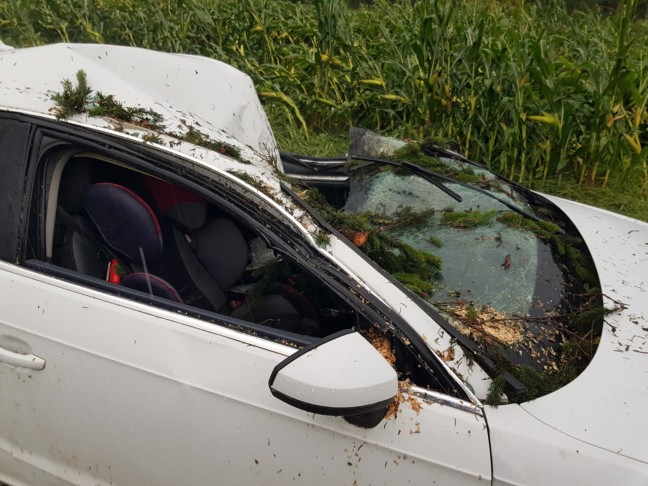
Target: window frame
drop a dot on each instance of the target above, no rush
(217, 190)
(39, 180)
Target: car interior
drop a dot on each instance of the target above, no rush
(195, 247)
(132, 229)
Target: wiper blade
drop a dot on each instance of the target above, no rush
(438, 179)
(436, 151)
(328, 163)
(430, 176)
(315, 163)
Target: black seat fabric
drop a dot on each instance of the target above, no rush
(180, 266)
(126, 227)
(222, 248)
(125, 221)
(80, 250)
(213, 257)
(278, 311)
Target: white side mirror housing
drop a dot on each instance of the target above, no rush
(340, 375)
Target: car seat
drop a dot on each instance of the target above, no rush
(76, 242)
(214, 255)
(128, 226)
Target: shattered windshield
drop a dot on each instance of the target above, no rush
(484, 259)
(509, 273)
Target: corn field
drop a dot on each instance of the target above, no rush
(531, 89)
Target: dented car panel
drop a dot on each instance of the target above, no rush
(594, 439)
(171, 380)
(226, 108)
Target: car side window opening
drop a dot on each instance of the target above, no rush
(143, 237)
(114, 227)
(137, 231)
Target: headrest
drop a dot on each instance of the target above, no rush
(222, 249)
(178, 204)
(124, 220)
(76, 179)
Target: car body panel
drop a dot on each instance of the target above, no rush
(135, 394)
(531, 453)
(603, 405)
(221, 102)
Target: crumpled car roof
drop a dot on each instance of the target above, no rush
(188, 91)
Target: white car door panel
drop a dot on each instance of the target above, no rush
(133, 394)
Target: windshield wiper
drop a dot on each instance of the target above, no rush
(438, 179)
(430, 176)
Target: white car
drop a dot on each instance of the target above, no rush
(173, 311)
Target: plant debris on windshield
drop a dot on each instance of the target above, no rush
(526, 291)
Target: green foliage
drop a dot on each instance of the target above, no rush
(467, 219)
(153, 138)
(322, 239)
(434, 241)
(472, 314)
(397, 257)
(566, 246)
(469, 177)
(544, 230)
(72, 99)
(79, 99)
(107, 105)
(267, 276)
(413, 267)
(198, 138)
(246, 177)
(496, 391)
(412, 153)
(416, 284)
(538, 383)
(292, 140)
(534, 90)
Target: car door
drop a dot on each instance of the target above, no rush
(102, 389)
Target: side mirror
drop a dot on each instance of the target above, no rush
(340, 375)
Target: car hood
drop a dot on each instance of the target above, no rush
(605, 406)
(188, 91)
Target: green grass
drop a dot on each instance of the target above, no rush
(549, 97)
(624, 197)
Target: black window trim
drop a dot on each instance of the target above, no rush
(12, 252)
